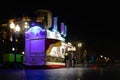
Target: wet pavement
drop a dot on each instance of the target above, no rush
(110, 72)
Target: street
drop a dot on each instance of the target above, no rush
(111, 72)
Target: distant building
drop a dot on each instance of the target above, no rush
(44, 17)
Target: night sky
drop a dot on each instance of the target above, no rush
(95, 23)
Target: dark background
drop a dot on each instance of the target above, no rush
(95, 23)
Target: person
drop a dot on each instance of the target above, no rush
(73, 61)
(67, 60)
(85, 58)
(85, 61)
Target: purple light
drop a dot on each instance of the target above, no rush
(33, 24)
(35, 32)
(35, 46)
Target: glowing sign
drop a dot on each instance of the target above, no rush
(63, 29)
(55, 23)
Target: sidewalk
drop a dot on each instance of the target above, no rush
(78, 65)
(12, 66)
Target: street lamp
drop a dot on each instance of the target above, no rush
(101, 56)
(79, 46)
(15, 28)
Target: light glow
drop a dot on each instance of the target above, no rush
(54, 35)
(17, 28)
(13, 49)
(79, 44)
(12, 25)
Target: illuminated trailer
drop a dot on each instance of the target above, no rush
(43, 47)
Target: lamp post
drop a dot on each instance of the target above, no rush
(79, 46)
(15, 28)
